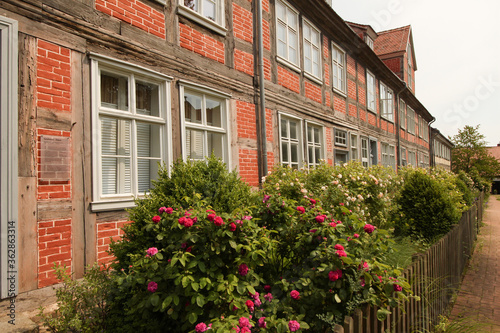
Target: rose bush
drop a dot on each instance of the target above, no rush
(300, 254)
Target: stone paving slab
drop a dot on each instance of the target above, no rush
(478, 301)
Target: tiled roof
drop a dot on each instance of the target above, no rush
(495, 152)
(391, 41)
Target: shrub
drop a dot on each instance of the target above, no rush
(428, 205)
(82, 304)
(285, 261)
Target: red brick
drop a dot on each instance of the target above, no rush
(47, 46)
(288, 79)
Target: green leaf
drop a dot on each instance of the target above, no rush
(159, 256)
(304, 325)
(182, 261)
(166, 302)
(382, 314)
(155, 299)
(174, 260)
(337, 298)
(250, 289)
(159, 237)
(195, 286)
(185, 281)
(176, 300)
(241, 288)
(200, 300)
(201, 266)
(233, 244)
(192, 317)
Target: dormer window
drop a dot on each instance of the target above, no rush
(369, 41)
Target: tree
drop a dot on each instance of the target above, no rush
(470, 154)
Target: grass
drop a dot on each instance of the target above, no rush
(404, 249)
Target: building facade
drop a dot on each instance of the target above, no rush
(107, 89)
(440, 150)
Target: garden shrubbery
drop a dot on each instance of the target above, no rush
(303, 255)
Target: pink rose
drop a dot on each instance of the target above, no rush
(243, 269)
(201, 327)
(295, 294)
(218, 221)
(333, 224)
(189, 249)
(335, 275)
(268, 297)
(313, 202)
(152, 251)
(211, 217)
(182, 220)
(244, 322)
(245, 330)
(156, 219)
(338, 247)
(320, 218)
(301, 209)
(246, 217)
(365, 266)
(369, 228)
(397, 287)
(293, 325)
(313, 231)
(341, 253)
(266, 198)
(356, 236)
(162, 209)
(262, 322)
(232, 227)
(188, 223)
(267, 288)
(152, 286)
(250, 305)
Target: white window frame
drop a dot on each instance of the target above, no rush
(410, 76)
(365, 161)
(369, 41)
(412, 158)
(311, 144)
(354, 146)
(384, 147)
(386, 102)
(204, 127)
(402, 114)
(371, 96)
(9, 254)
(339, 136)
(289, 141)
(308, 40)
(402, 156)
(420, 127)
(410, 120)
(119, 201)
(339, 69)
(218, 25)
(285, 59)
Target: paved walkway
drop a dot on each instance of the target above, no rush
(478, 303)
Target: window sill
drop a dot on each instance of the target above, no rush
(201, 20)
(386, 119)
(101, 206)
(313, 78)
(287, 63)
(340, 92)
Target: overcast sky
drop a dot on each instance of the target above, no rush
(457, 48)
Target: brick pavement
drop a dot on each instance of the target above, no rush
(478, 302)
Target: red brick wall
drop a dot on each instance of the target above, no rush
(266, 35)
(53, 77)
(328, 100)
(204, 45)
(242, 23)
(338, 103)
(351, 66)
(353, 110)
(243, 61)
(248, 165)
(246, 122)
(288, 79)
(329, 145)
(383, 124)
(265, 5)
(313, 92)
(351, 89)
(105, 232)
(394, 65)
(54, 246)
(362, 114)
(267, 69)
(372, 120)
(135, 13)
(361, 95)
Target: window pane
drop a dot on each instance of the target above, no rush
(214, 113)
(147, 170)
(148, 140)
(316, 60)
(280, 11)
(114, 91)
(116, 175)
(309, 134)
(307, 31)
(292, 49)
(316, 135)
(284, 152)
(147, 99)
(293, 130)
(192, 4)
(317, 154)
(192, 107)
(307, 57)
(292, 19)
(115, 136)
(310, 151)
(215, 143)
(209, 9)
(284, 125)
(294, 150)
(281, 32)
(194, 144)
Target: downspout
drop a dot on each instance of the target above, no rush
(398, 126)
(432, 157)
(262, 118)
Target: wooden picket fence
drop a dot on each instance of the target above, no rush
(434, 276)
